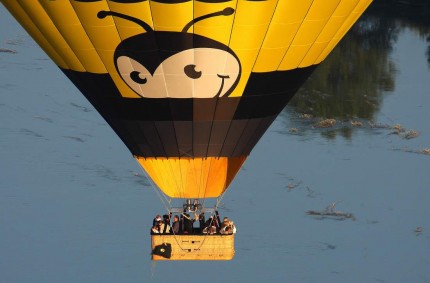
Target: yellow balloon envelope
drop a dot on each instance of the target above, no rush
(189, 86)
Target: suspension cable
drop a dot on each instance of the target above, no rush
(164, 200)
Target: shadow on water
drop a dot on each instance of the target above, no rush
(345, 95)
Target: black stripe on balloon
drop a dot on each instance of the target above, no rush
(256, 133)
(166, 1)
(117, 1)
(171, 1)
(277, 81)
(214, 1)
(144, 138)
(128, 1)
(168, 127)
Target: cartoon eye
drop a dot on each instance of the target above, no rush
(135, 76)
(190, 71)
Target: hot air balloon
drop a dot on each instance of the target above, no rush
(189, 86)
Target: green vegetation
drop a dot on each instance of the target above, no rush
(351, 82)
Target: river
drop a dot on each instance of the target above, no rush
(75, 207)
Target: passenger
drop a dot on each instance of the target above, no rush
(225, 222)
(158, 227)
(218, 220)
(166, 218)
(228, 228)
(208, 222)
(165, 228)
(216, 223)
(188, 224)
(201, 222)
(181, 224)
(154, 230)
(175, 225)
(166, 222)
(233, 227)
(210, 230)
(155, 220)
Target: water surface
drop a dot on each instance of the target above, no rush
(75, 207)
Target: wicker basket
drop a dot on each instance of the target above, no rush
(194, 247)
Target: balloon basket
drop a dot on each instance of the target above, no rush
(192, 247)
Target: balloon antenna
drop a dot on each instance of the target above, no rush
(104, 14)
(226, 12)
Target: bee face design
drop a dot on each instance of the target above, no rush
(165, 64)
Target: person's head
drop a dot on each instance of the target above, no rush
(175, 218)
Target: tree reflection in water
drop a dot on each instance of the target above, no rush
(350, 84)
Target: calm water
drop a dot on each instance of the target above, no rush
(74, 206)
